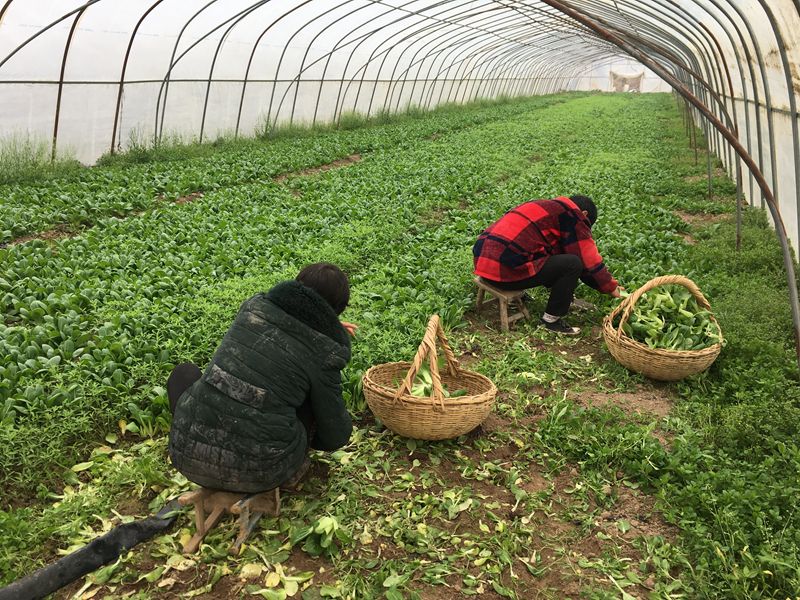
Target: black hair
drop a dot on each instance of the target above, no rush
(329, 281)
(587, 204)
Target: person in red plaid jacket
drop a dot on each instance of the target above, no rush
(549, 243)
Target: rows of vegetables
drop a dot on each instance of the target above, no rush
(82, 198)
(68, 344)
(95, 322)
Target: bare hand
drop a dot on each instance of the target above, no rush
(351, 328)
(617, 293)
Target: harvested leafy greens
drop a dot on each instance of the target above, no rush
(670, 318)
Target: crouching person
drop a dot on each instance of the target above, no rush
(272, 390)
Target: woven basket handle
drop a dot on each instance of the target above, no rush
(427, 349)
(626, 306)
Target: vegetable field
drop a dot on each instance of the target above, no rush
(587, 481)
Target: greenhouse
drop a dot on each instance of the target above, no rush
(419, 299)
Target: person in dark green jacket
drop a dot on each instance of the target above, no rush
(272, 390)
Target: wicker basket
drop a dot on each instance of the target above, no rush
(434, 417)
(657, 363)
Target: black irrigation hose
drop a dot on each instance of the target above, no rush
(95, 554)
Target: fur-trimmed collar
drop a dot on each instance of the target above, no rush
(306, 305)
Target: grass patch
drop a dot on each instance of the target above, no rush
(25, 160)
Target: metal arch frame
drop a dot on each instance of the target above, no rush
(460, 46)
(696, 54)
(787, 72)
(117, 119)
(677, 46)
(551, 78)
(715, 65)
(433, 28)
(174, 62)
(222, 40)
(394, 81)
(452, 38)
(501, 22)
(508, 69)
(252, 55)
(428, 29)
(394, 84)
(662, 51)
(5, 8)
(451, 62)
(591, 43)
(675, 71)
(728, 78)
(78, 12)
(699, 43)
(732, 98)
(63, 17)
(416, 33)
(363, 40)
(493, 52)
(165, 84)
(298, 77)
(423, 25)
(744, 84)
(522, 64)
(327, 58)
(766, 90)
(283, 53)
(201, 39)
(448, 60)
(570, 69)
(466, 47)
(67, 45)
(507, 54)
(534, 73)
(520, 59)
(744, 89)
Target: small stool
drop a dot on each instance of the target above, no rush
(504, 298)
(249, 507)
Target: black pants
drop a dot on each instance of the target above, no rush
(560, 273)
(182, 376)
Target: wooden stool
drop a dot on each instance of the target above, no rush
(249, 507)
(504, 299)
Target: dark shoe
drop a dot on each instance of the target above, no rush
(560, 327)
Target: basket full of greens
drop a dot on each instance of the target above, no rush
(424, 402)
(664, 330)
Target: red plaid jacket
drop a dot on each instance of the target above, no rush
(517, 245)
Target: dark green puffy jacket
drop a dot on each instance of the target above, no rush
(237, 428)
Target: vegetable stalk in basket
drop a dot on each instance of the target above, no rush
(423, 384)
